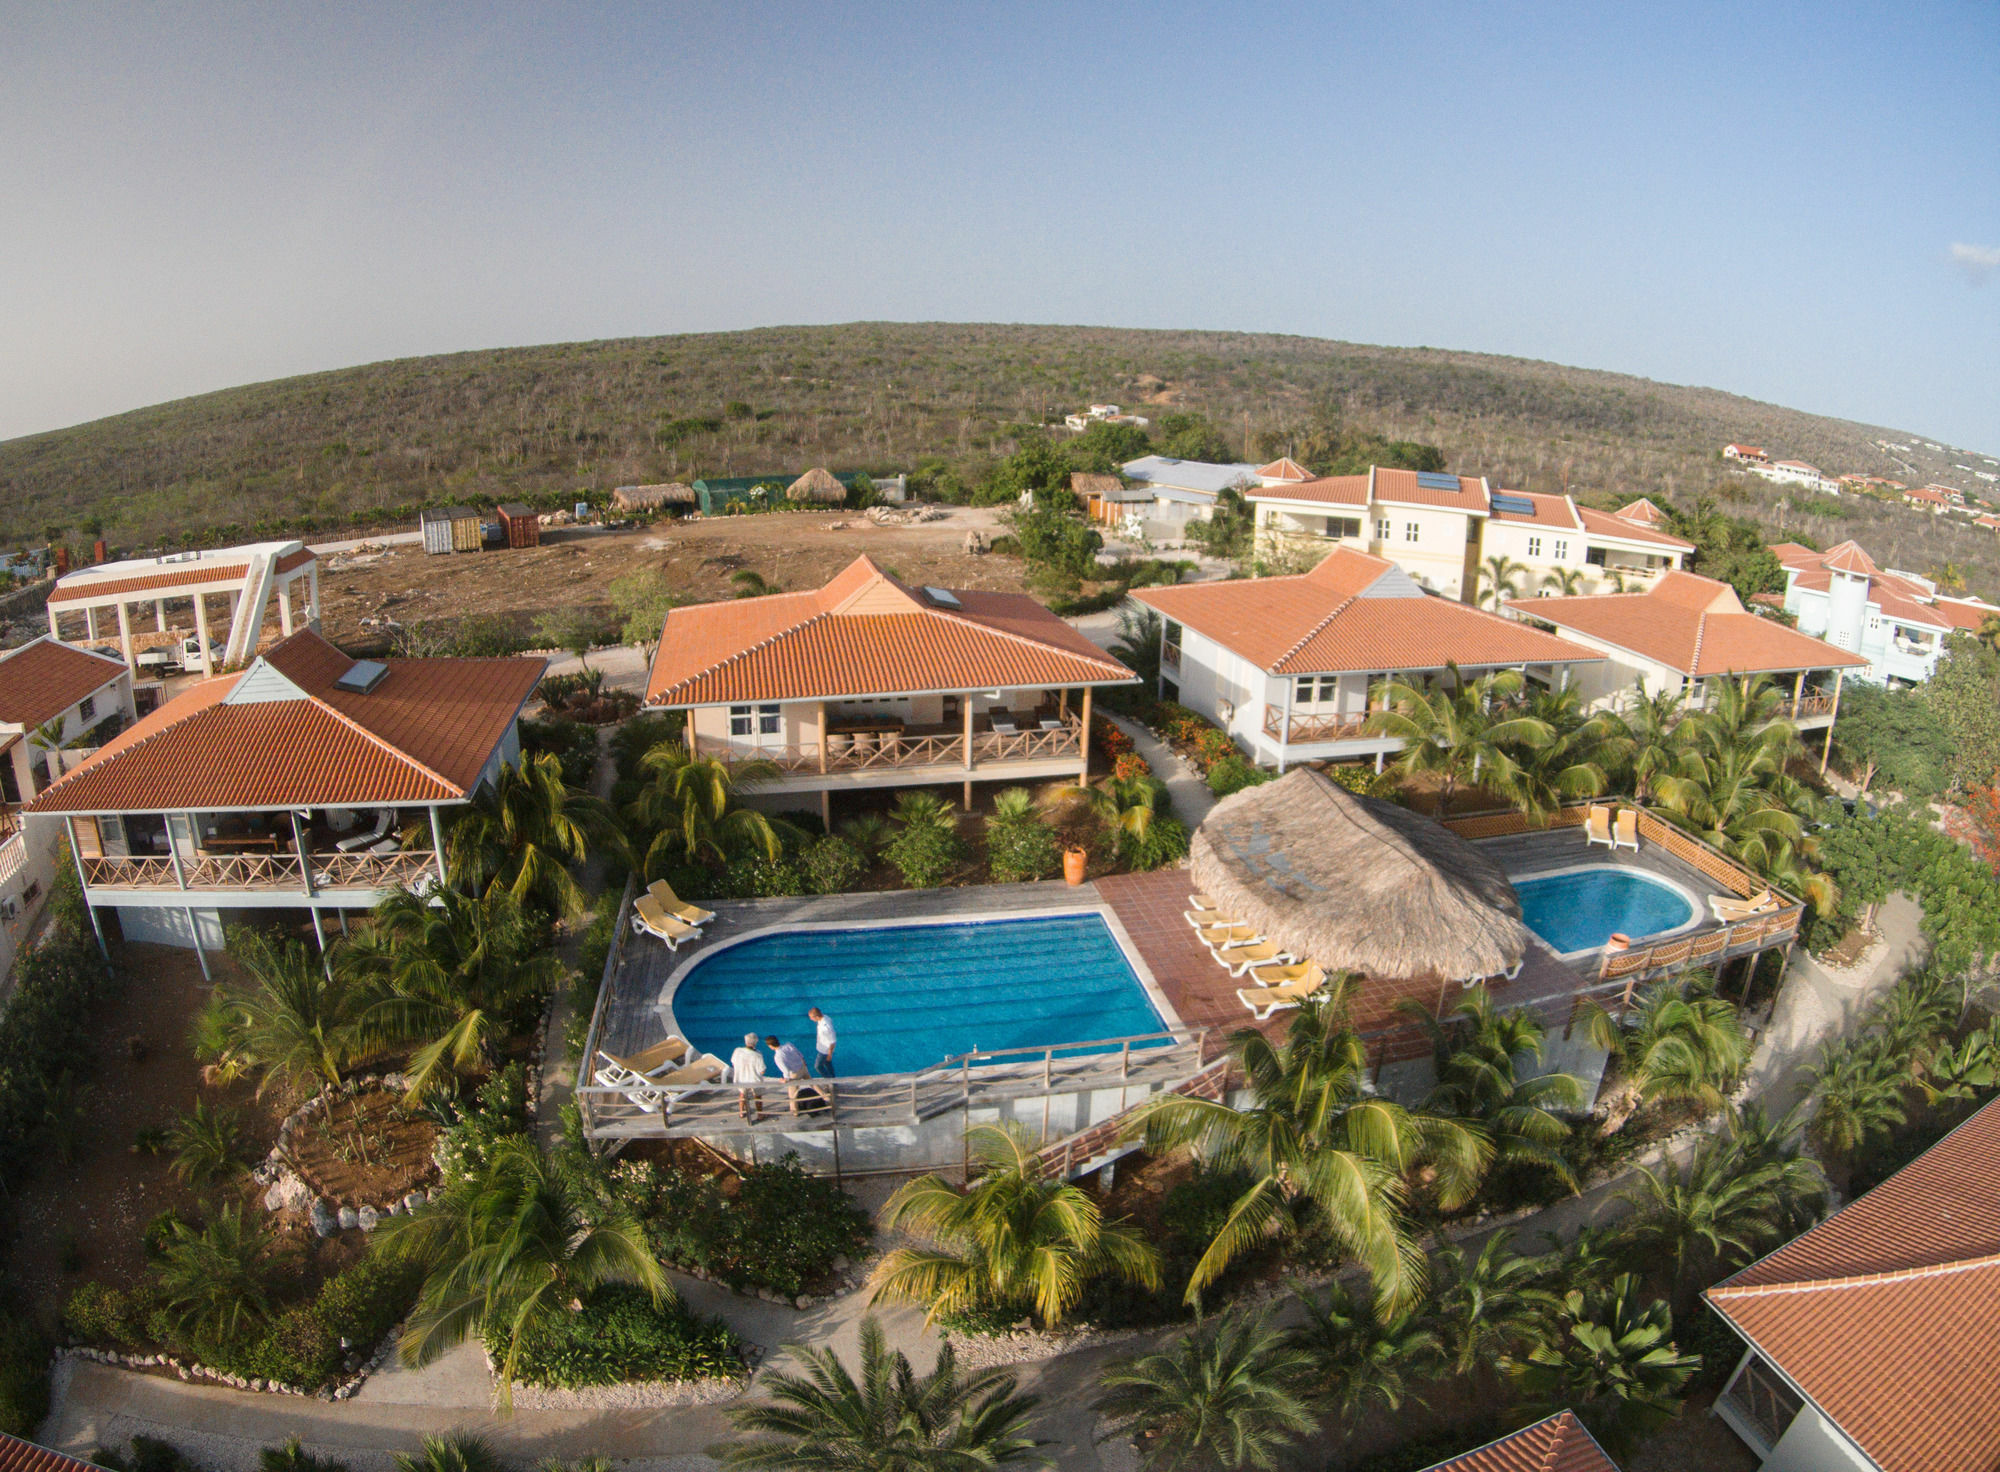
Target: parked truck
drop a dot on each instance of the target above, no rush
(181, 658)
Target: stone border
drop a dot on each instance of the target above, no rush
(289, 1190)
(343, 1387)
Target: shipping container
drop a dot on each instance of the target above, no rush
(435, 523)
(523, 527)
(465, 535)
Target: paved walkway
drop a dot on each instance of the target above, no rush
(1187, 787)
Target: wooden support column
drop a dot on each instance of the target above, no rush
(437, 843)
(1083, 742)
(285, 609)
(693, 750)
(1826, 750)
(90, 623)
(822, 738)
(1798, 693)
(159, 615)
(826, 808)
(83, 882)
(968, 751)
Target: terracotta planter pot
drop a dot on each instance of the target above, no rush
(1073, 862)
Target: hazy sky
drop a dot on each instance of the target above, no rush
(1801, 205)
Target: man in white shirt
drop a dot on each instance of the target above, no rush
(824, 1037)
(746, 1071)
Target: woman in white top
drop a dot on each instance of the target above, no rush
(746, 1071)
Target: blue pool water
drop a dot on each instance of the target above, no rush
(905, 997)
(1580, 911)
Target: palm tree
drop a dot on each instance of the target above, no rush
(1589, 1259)
(452, 1451)
(1680, 1042)
(1127, 807)
(1478, 1054)
(206, 1143)
(444, 971)
(1137, 646)
(1486, 1307)
(1362, 1359)
(1701, 1219)
(211, 1277)
(890, 1420)
(1615, 1363)
(291, 1021)
(690, 807)
(514, 1246)
(1857, 1090)
(1015, 1238)
(1499, 578)
(1319, 1147)
(1573, 763)
(1727, 798)
(1949, 577)
(749, 584)
(1755, 1141)
(1989, 632)
(1225, 1394)
(1648, 736)
(524, 832)
(1459, 731)
(293, 1457)
(1564, 582)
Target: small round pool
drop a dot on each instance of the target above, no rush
(905, 997)
(1581, 909)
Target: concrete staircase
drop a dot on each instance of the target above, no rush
(1099, 1145)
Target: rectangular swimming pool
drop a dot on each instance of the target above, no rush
(906, 997)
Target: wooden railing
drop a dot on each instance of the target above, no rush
(885, 753)
(260, 871)
(1818, 703)
(1170, 656)
(1298, 728)
(1067, 1156)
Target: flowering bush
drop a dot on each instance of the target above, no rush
(1131, 764)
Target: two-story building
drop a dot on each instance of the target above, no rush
(1291, 666)
(1871, 1340)
(309, 781)
(1166, 493)
(1684, 634)
(869, 683)
(52, 695)
(1898, 621)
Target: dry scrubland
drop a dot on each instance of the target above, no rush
(890, 396)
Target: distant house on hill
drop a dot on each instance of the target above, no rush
(1935, 499)
(1748, 454)
(1896, 620)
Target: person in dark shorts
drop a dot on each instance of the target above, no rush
(824, 1037)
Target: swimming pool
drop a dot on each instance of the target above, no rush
(906, 997)
(1580, 909)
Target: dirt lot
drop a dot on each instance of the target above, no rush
(792, 550)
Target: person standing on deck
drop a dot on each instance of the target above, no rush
(746, 1071)
(824, 1037)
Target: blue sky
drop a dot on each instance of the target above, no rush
(199, 196)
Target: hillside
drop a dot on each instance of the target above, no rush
(341, 446)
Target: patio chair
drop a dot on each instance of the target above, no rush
(1238, 959)
(1290, 975)
(383, 818)
(650, 1094)
(649, 919)
(1597, 826)
(1269, 1000)
(1201, 915)
(674, 905)
(669, 1053)
(1221, 937)
(1729, 911)
(1201, 902)
(1625, 830)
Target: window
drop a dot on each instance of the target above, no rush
(1409, 531)
(1382, 530)
(1561, 551)
(767, 720)
(1303, 693)
(740, 722)
(1343, 526)
(1311, 691)
(1534, 546)
(86, 709)
(1595, 557)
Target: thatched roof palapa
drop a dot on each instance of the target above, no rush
(645, 498)
(817, 484)
(1357, 884)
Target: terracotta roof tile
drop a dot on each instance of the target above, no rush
(864, 633)
(1284, 468)
(1848, 557)
(190, 576)
(1549, 510)
(1644, 510)
(1965, 613)
(1326, 490)
(1558, 1444)
(423, 734)
(1402, 488)
(1604, 524)
(1320, 623)
(44, 678)
(17, 1455)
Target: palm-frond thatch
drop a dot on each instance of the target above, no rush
(647, 498)
(817, 484)
(1357, 884)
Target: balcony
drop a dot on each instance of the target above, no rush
(1170, 656)
(1294, 729)
(264, 872)
(888, 747)
(1808, 706)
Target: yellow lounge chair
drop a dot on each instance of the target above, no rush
(1730, 911)
(1267, 1000)
(674, 905)
(1199, 917)
(1221, 937)
(1597, 826)
(669, 1053)
(1201, 902)
(649, 919)
(1238, 959)
(1284, 975)
(1625, 830)
(650, 1093)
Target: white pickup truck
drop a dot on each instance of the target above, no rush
(184, 657)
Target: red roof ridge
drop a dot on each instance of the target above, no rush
(1857, 1280)
(137, 735)
(1306, 638)
(383, 742)
(749, 649)
(967, 619)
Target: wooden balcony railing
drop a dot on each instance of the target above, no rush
(1170, 656)
(1297, 728)
(215, 872)
(892, 752)
(1815, 703)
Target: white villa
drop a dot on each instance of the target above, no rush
(52, 695)
(1289, 665)
(1897, 620)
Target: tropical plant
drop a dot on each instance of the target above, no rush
(1500, 578)
(293, 1457)
(290, 1021)
(1479, 1054)
(1614, 1363)
(1574, 762)
(1127, 806)
(1700, 1219)
(868, 832)
(1362, 1359)
(1228, 1393)
(926, 844)
(205, 1143)
(1486, 1307)
(1319, 1148)
(1858, 1095)
(211, 1277)
(523, 833)
(1137, 645)
(751, 584)
(1019, 845)
(889, 1420)
(1462, 731)
(513, 1246)
(1015, 1239)
(689, 806)
(1679, 1042)
(1648, 735)
(1564, 582)
(450, 1451)
(443, 972)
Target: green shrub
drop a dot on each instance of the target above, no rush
(620, 1335)
(1164, 842)
(148, 1454)
(97, 1313)
(573, 742)
(1213, 745)
(499, 1109)
(805, 820)
(1356, 778)
(924, 853)
(1233, 774)
(1022, 850)
(831, 865)
(640, 735)
(783, 1230)
(302, 1345)
(24, 1373)
(754, 877)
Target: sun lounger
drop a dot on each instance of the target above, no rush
(1625, 830)
(383, 818)
(1266, 1000)
(1597, 826)
(1238, 959)
(1283, 975)
(649, 919)
(669, 1053)
(1201, 902)
(674, 905)
(650, 1093)
(1198, 918)
(1729, 911)
(1220, 937)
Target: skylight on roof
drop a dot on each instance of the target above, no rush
(1437, 480)
(1516, 505)
(942, 597)
(362, 676)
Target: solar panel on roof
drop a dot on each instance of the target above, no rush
(362, 676)
(1437, 480)
(1518, 505)
(943, 597)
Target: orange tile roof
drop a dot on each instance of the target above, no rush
(1644, 510)
(1285, 468)
(1848, 557)
(1330, 490)
(1320, 623)
(1965, 613)
(291, 738)
(44, 678)
(1691, 624)
(1929, 495)
(1887, 1314)
(1549, 510)
(1557, 1444)
(211, 574)
(1604, 524)
(1401, 488)
(17, 1455)
(865, 633)
(1793, 554)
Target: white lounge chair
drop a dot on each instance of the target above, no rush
(1238, 959)
(1729, 911)
(384, 818)
(1221, 937)
(1267, 1000)
(648, 918)
(652, 1092)
(1286, 974)
(1597, 826)
(1625, 830)
(614, 1069)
